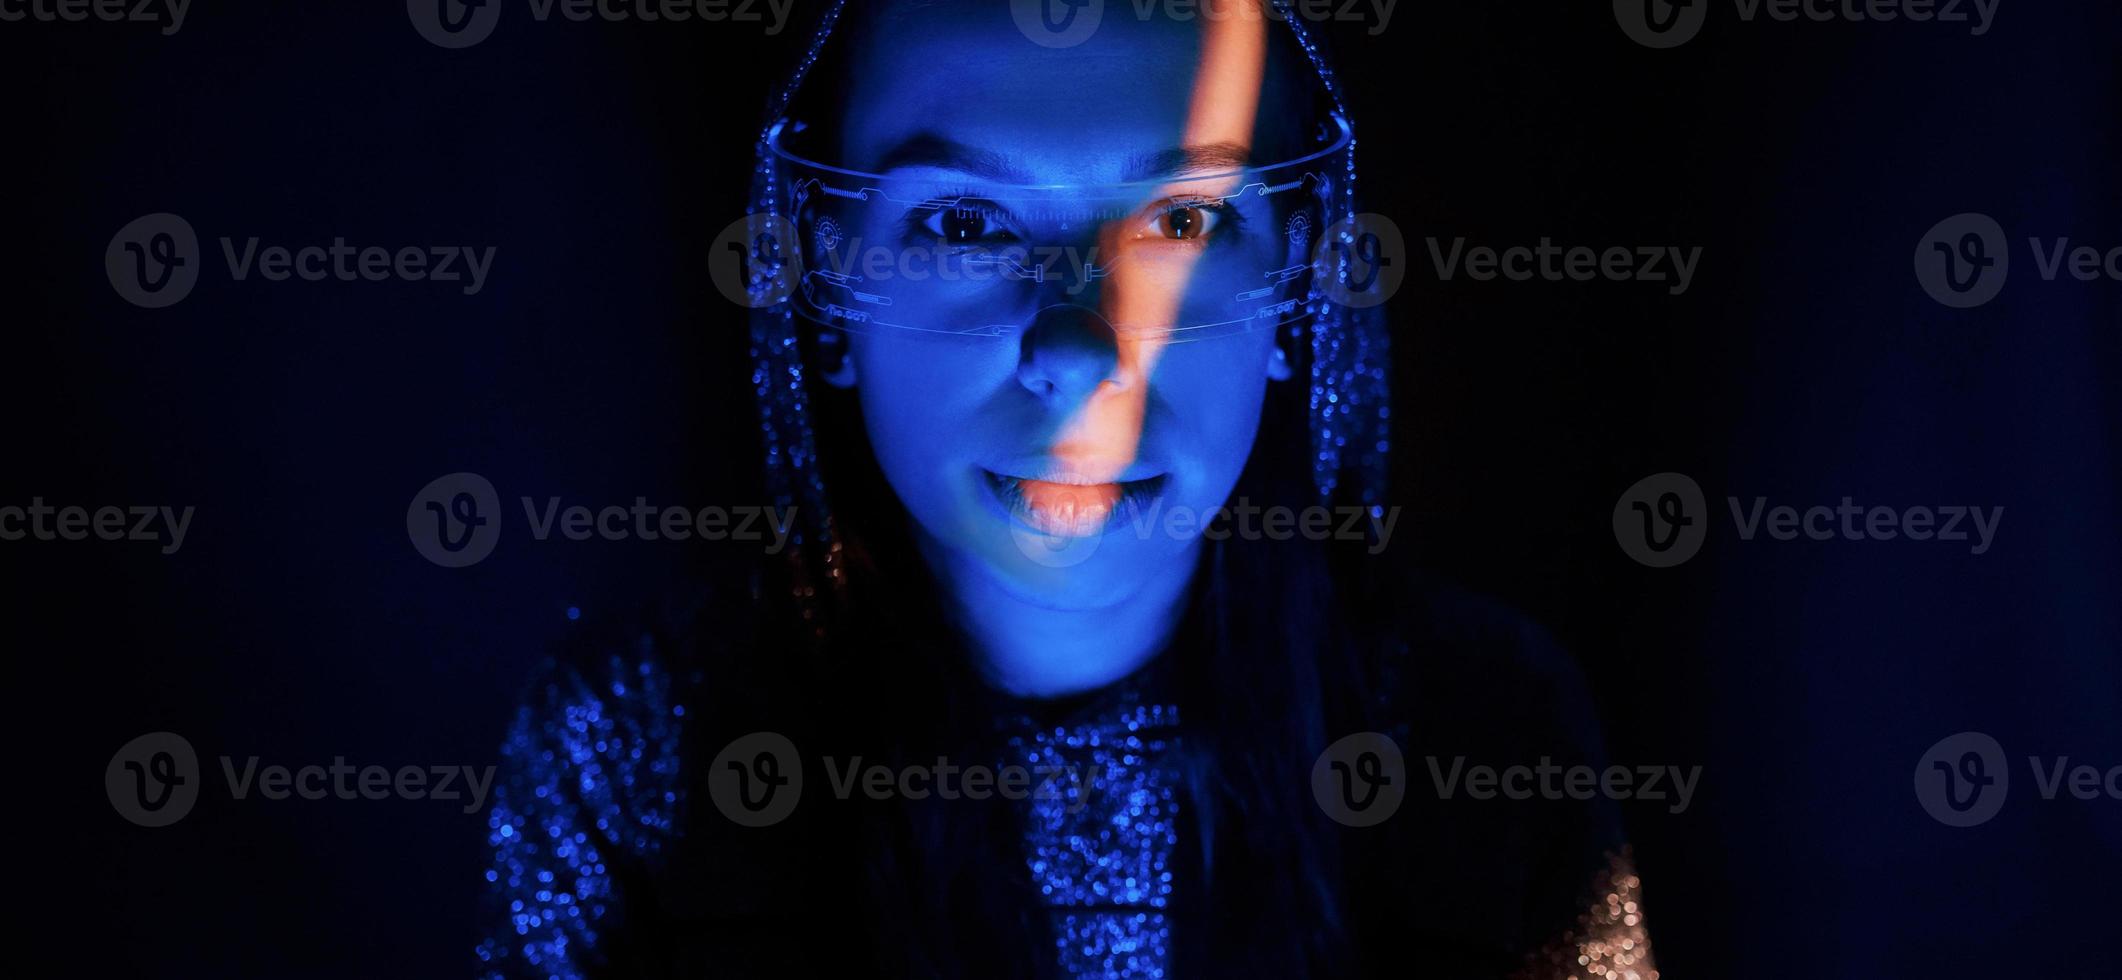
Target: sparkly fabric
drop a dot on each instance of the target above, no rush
(1099, 836)
(1609, 941)
(780, 390)
(584, 832)
(590, 770)
(1350, 398)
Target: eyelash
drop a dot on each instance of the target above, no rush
(1224, 223)
(926, 223)
(919, 220)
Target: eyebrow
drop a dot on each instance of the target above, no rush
(1204, 159)
(926, 149)
(929, 150)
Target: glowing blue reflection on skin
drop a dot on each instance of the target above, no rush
(983, 439)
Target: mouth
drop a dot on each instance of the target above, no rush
(1063, 508)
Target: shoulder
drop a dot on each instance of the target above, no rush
(600, 653)
(605, 707)
(590, 802)
(608, 709)
(599, 728)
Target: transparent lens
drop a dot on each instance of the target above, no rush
(1184, 258)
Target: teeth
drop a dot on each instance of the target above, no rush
(1063, 510)
(1070, 508)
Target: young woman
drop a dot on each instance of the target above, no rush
(1041, 315)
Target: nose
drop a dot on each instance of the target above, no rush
(1069, 352)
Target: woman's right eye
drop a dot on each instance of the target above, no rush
(963, 224)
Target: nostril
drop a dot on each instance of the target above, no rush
(1069, 351)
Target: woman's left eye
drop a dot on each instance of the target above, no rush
(1187, 221)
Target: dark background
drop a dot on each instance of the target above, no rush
(1807, 678)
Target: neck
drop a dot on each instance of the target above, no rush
(1036, 650)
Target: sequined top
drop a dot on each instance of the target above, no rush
(1099, 845)
(591, 777)
(592, 806)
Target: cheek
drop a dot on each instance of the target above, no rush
(906, 375)
(921, 400)
(1216, 388)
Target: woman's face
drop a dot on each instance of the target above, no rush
(1053, 458)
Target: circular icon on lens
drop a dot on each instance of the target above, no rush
(455, 520)
(1299, 229)
(1057, 23)
(154, 779)
(1360, 780)
(1660, 23)
(153, 261)
(1962, 780)
(828, 234)
(1962, 261)
(1662, 520)
(1360, 261)
(454, 23)
(756, 780)
(756, 262)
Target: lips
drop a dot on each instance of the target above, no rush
(1062, 507)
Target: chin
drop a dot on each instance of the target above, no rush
(1080, 573)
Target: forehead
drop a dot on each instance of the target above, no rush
(965, 73)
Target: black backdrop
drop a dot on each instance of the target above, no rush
(598, 364)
